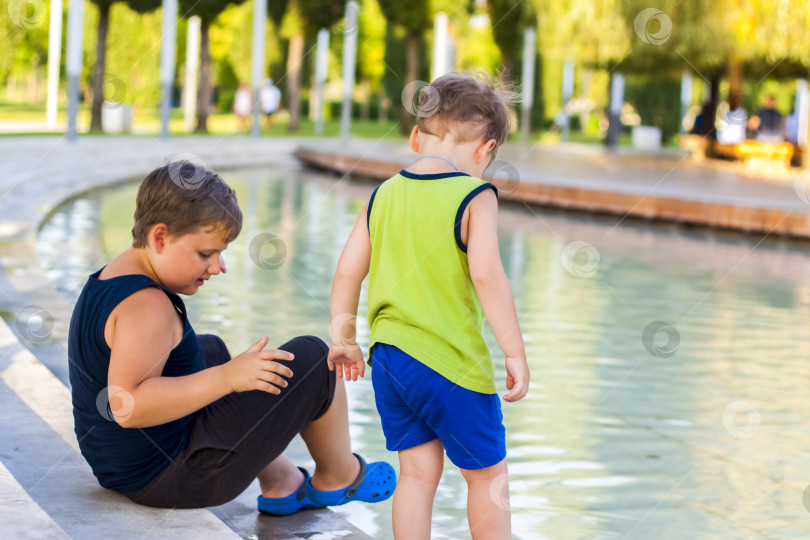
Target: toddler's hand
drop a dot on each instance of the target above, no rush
(517, 378)
(349, 361)
(255, 369)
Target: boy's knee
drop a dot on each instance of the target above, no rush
(310, 357)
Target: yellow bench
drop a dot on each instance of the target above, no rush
(754, 153)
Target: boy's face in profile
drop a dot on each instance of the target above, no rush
(184, 263)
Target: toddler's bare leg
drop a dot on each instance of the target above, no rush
(329, 445)
(420, 469)
(488, 513)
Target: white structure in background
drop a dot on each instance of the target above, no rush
(257, 61)
(802, 112)
(192, 66)
(168, 48)
(615, 108)
(54, 58)
(686, 99)
(321, 65)
(567, 92)
(75, 38)
(529, 51)
(442, 47)
(349, 61)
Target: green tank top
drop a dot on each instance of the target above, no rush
(420, 295)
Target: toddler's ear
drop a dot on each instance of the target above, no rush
(413, 142)
(484, 149)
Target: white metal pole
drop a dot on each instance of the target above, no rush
(257, 64)
(803, 112)
(54, 58)
(439, 65)
(192, 65)
(568, 91)
(529, 51)
(686, 98)
(321, 66)
(75, 37)
(349, 60)
(615, 109)
(168, 48)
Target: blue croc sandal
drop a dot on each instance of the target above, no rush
(375, 482)
(284, 506)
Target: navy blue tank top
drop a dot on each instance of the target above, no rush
(123, 459)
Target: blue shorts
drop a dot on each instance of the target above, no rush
(417, 405)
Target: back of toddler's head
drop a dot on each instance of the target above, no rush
(472, 106)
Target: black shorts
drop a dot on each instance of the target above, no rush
(235, 437)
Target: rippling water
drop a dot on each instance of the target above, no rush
(669, 393)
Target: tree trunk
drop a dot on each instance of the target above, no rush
(411, 74)
(508, 63)
(735, 79)
(98, 71)
(294, 60)
(204, 90)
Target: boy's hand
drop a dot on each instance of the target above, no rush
(349, 361)
(517, 378)
(254, 369)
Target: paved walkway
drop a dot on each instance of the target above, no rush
(46, 487)
(666, 185)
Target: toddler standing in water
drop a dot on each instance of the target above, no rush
(428, 241)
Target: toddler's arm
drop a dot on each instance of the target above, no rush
(494, 290)
(344, 353)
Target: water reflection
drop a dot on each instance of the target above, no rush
(618, 438)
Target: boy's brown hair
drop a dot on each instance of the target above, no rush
(473, 100)
(185, 196)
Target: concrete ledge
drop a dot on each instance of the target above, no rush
(14, 504)
(747, 204)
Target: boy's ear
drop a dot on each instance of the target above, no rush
(158, 236)
(413, 142)
(483, 150)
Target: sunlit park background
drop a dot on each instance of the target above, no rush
(659, 63)
(668, 398)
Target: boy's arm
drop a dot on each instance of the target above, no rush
(494, 290)
(352, 268)
(140, 397)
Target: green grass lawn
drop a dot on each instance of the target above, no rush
(147, 122)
